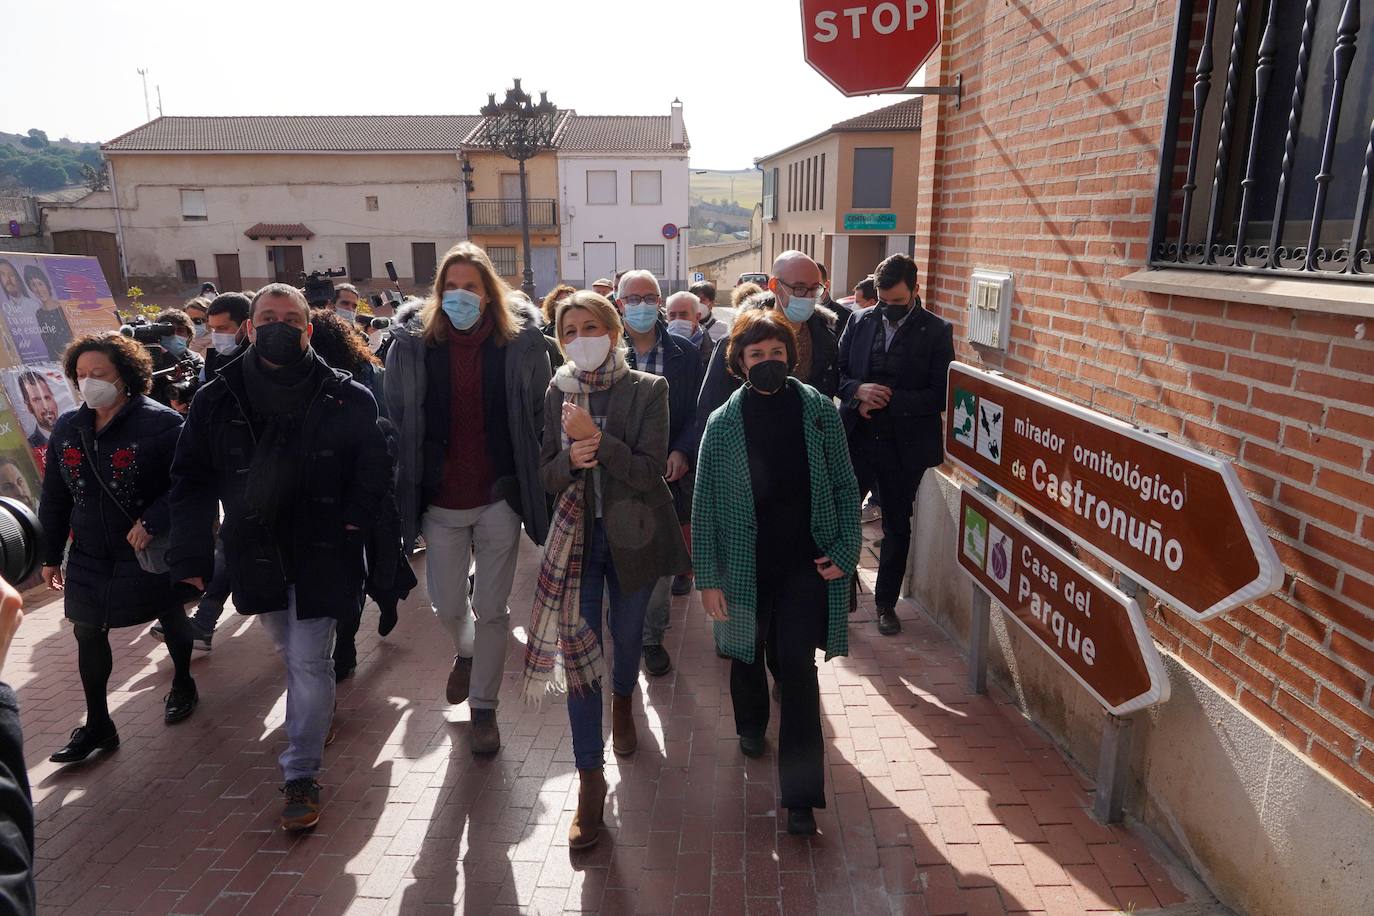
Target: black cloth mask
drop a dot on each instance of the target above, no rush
(895, 313)
(279, 343)
(769, 376)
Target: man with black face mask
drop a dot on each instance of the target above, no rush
(292, 449)
(894, 358)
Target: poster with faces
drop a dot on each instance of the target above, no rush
(38, 395)
(48, 300)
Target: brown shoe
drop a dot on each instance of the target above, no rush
(623, 737)
(591, 809)
(302, 809)
(458, 680)
(486, 737)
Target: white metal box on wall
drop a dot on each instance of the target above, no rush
(989, 309)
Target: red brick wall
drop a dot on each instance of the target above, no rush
(1049, 170)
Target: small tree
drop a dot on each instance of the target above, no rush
(42, 175)
(36, 139)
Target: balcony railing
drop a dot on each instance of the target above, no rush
(504, 213)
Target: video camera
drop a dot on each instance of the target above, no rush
(148, 333)
(318, 288)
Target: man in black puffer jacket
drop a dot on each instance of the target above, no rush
(292, 449)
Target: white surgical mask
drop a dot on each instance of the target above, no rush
(588, 353)
(347, 315)
(224, 342)
(703, 310)
(98, 394)
(681, 327)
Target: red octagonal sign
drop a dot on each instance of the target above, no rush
(864, 46)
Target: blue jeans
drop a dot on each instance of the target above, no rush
(306, 647)
(216, 593)
(626, 620)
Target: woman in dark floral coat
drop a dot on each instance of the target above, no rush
(127, 439)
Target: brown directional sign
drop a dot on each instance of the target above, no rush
(1093, 630)
(1172, 518)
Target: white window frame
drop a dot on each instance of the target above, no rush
(193, 206)
(615, 187)
(635, 196)
(643, 263)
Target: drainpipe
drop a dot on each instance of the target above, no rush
(119, 227)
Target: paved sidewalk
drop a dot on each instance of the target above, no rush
(940, 802)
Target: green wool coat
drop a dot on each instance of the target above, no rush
(724, 527)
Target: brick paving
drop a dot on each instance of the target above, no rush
(941, 802)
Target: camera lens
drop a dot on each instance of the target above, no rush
(21, 540)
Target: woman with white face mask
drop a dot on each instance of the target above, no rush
(106, 481)
(466, 375)
(604, 456)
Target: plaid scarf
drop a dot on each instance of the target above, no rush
(563, 654)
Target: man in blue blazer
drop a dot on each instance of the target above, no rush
(894, 360)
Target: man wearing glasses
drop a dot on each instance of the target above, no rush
(673, 357)
(894, 358)
(794, 287)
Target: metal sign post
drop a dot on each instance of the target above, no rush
(979, 623)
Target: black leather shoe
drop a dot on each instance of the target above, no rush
(888, 624)
(181, 702)
(752, 746)
(682, 585)
(657, 661)
(86, 741)
(801, 822)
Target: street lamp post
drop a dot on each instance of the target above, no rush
(520, 128)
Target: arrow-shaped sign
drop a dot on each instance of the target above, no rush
(1174, 519)
(1093, 630)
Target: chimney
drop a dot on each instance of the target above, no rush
(677, 134)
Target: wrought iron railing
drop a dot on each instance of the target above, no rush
(504, 213)
(1274, 172)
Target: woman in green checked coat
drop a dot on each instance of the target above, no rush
(775, 537)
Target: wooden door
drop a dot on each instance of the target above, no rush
(227, 272)
(423, 260)
(359, 260)
(510, 198)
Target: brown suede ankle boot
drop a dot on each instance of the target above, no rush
(591, 808)
(623, 737)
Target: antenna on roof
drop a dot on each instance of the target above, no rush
(159, 100)
(147, 111)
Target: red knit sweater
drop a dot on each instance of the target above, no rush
(468, 477)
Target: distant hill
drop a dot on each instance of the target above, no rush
(715, 185)
(31, 162)
(722, 203)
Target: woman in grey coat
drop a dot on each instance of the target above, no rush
(466, 378)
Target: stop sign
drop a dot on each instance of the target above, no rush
(866, 46)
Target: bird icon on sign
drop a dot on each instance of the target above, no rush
(990, 430)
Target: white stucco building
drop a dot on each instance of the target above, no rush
(243, 201)
(621, 180)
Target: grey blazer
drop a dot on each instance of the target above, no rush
(642, 529)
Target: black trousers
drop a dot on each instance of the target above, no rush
(792, 616)
(879, 464)
(95, 661)
(346, 636)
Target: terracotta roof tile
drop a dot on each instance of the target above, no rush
(379, 133)
(619, 133)
(326, 133)
(904, 115)
(279, 231)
